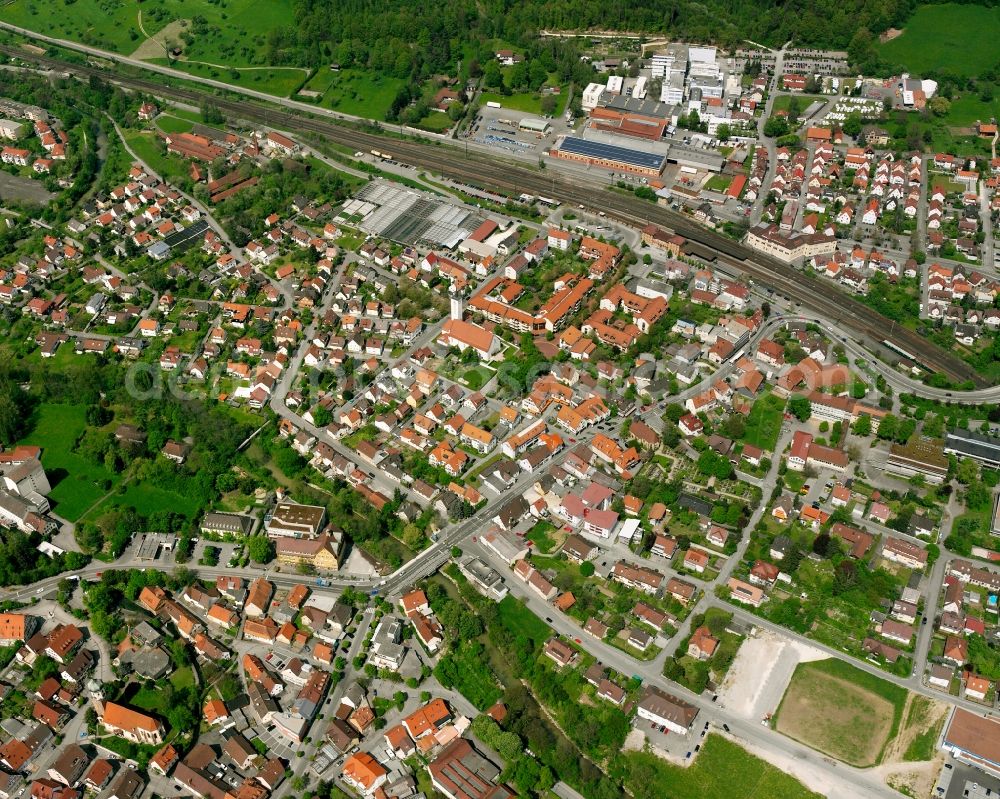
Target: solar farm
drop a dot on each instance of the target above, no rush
(408, 217)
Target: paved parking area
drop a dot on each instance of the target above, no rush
(677, 748)
(966, 782)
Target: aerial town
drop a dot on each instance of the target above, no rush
(330, 471)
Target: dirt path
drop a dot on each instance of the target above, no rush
(155, 46)
(919, 715)
(240, 69)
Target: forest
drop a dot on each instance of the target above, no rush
(399, 37)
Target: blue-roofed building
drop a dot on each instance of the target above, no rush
(609, 156)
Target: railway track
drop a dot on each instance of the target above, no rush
(477, 169)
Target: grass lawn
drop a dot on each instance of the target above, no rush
(356, 92)
(476, 377)
(794, 480)
(77, 483)
(144, 145)
(527, 102)
(320, 166)
(841, 711)
(183, 113)
(718, 183)
(182, 678)
(723, 770)
(959, 38)
(782, 102)
(764, 422)
(436, 122)
(515, 616)
(149, 699)
(172, 124)
(541, 536)
(946, 184)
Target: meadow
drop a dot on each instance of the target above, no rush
(723, 770)
(958, 38)
(355, 92)
(233, 32)
(77, 483)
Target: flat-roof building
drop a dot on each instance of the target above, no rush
(967, 444)
(921, 456)
(608, 156)
(223, 523)
(975, 740)
(292, 520)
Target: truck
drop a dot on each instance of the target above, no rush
(493, 104)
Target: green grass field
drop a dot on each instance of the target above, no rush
(519, 620)
(172, 124)
(356, 92)
(723, 770)
(436, 122)
(764, 422)
(146, 148)
(967, 109)
(77, 483)
(148, 499)
(960, 38)
(235, 30)
(526, 102)
(718, 183)
(782, 102)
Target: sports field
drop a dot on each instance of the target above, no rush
(841, 711)
(959, 38)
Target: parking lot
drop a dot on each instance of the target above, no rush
(681, 749)
(966, 782)
(499, 128)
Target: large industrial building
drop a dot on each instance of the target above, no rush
(972, 739)
(979, 447)
(609, 156)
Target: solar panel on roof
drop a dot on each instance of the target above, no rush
(611, 152)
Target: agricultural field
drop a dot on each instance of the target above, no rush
(959, 38)
(723, 770)
(841, 711)
(77, 483)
